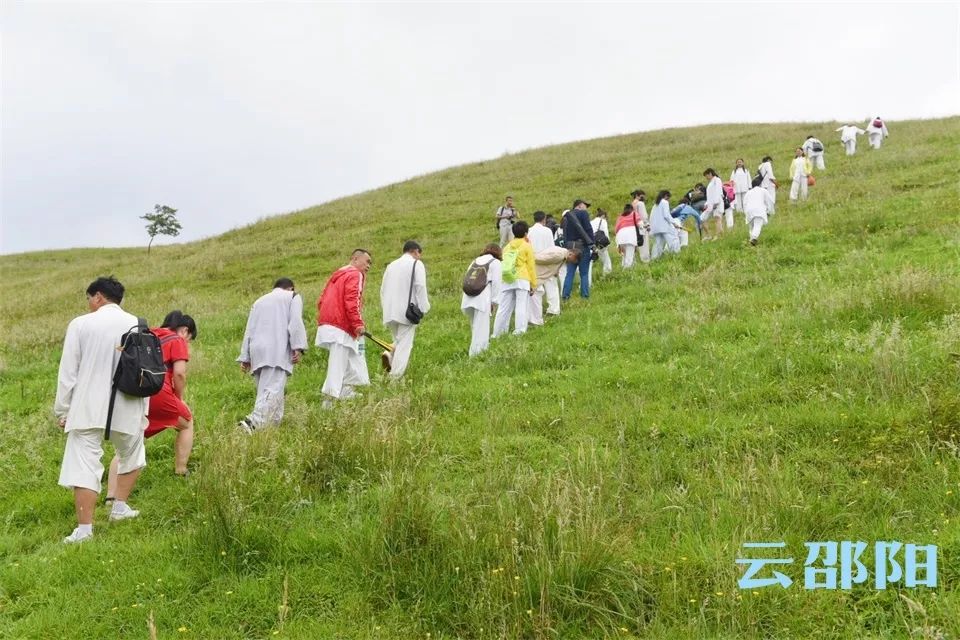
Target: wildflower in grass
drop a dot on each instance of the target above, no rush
(182, 629)
(229, 593)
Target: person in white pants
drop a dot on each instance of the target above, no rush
(640, 206)
(768, 180)
(800, 169)
(876, 132)
(664, 227)
(541, 239)
(627, 234)
(340, 329)
(757, 205)
(814, 150)
(404, 283)
(518, 284)
(741, 183)
(848, 136)
(599, 223)
(274, 340)
(478, 307)
(714, 206)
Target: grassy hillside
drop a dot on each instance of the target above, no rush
(594, 478)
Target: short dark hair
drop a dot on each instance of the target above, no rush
(709, 171)
(627, 208)
(109, 286)
(767, 159)
(283, 283)
(411, 245)
(636, 193)
(354, 253)
(520, 229)
(493, 249)
(176, 319)
(539, 216)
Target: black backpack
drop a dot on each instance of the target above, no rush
(757, 179)
(140, 371)
(476, 279)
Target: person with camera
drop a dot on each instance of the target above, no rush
(403, 297)
(578, 236)
(505, 217)
(601, 233)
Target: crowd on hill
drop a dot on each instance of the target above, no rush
(120, 380)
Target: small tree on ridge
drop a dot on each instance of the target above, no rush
(162, 222)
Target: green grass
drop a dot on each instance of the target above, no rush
(594, 478)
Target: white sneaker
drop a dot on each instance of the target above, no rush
(246, 426)
(77, 536)
(126, 514)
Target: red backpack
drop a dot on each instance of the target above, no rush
(878, 123)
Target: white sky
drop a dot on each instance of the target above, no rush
(235, 111)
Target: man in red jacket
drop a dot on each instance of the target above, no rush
(340, 329)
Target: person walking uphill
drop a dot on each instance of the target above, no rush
(274, 340)
(578, 236)
(340, 329)
(800, 171)
(84, 383)
(403, 296)
(519, 273)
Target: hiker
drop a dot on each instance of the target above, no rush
(664, 227)
(814, 150)
(600, 226)
(728, 194)
(740, 177)
(876, 132)
(167, 410)
(757, 205)
(639, 203)
(541, 238)
(340, 329)
(714, 208)
(627, 232)
(800, 169)
(84, 384)
(519, 273)
(697, 197)
(681, 212)
(273, 341)
(578, 235)
(484, 274)
(402, 293)
(848, 136)
(767, 180)
(506, 215)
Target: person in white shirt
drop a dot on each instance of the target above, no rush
(273, 341)
(848, 136)
(741, 183)
(479, 307)
(506, 215)
(768, 180)
(541, 239)
(814, 150)
(714, 207)
(84, 384)
(664, 227)
(404, 283)
(876, 132)
(757, 205)
(640, 206)
(800, 170)
(599, 223)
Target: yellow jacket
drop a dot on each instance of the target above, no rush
(795, 165)
(526, 263)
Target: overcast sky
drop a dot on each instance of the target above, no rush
(231, 112)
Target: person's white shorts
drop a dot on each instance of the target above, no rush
(82, 457)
